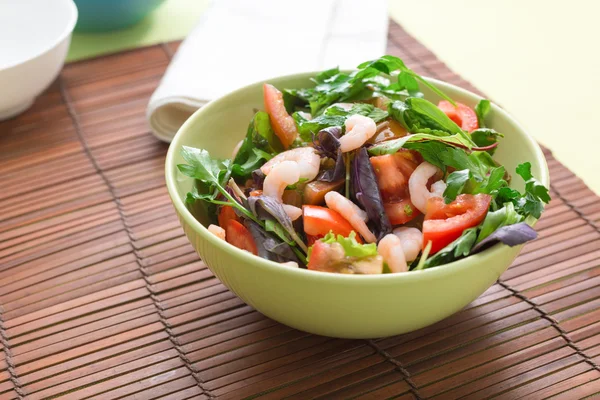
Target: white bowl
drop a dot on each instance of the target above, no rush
(34, 40)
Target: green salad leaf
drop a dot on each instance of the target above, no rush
(461, 247)
(213, 173)
(455, 183)
(335, 116)
(532, 201)
(409, 142)
(333, 86)
(420, 115)
(351, 247)
(407, 78)
(259, 145)
(482, 109)
(485, 137)
(494, 220)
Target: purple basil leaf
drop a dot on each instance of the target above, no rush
(511, 235)
(328, 145)
(267, 208)
(366, 193)
(258, 177)
(268, 246)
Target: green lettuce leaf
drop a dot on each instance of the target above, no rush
(351, 247)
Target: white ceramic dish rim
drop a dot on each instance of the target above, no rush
(68, 30)
(439, 271)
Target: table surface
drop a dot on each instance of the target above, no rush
(102, 296)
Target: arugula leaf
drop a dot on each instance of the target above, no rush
(392, 146)
(335, 116)
(461, 247)
(494, 220)
(333, 86)
(431, 151)
(259, 145)
(351, 247)
(256, 159)
(416, 114)
(388, 64)
(455, 182)
(482, 109)
(484, 137)
(272, 226)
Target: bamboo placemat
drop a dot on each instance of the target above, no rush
(102, 296)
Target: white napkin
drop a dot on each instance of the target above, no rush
(238, 42)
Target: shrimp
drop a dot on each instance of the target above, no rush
(359, 129)
(351, 212)
(417, 185)
(306, 158)
(411, 240)
(292, 211)
(390, 248)
(217, 231)
(280, 176)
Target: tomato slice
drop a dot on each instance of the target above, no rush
(283, 124)
(226, 213)
(323, 258)
(401, 212)
(392, 172)
(468, 117)
(239, 236)
(319, 221)
(311, 239)
(463, 115)
(444, 223)
(450, 111)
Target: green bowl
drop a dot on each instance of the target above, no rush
(344, 306)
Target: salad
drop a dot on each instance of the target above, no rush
(360, 174)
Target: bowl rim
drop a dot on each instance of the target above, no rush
(54, 43)
(438, 272)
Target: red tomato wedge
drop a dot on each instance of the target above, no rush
(468, 118)
(392, 172)
(318, 221)
(444, 223)
(450, 111)
(322, 258)
(283, 124)
(311, 239)
(401, 212)
(239, 236)
(463, 115)
(226, 213)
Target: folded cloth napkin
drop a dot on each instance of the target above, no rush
(238, 42)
